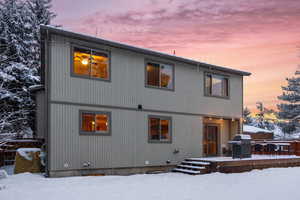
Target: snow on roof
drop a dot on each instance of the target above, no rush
(245, 137)
(253, 129)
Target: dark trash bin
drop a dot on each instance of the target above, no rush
(241, 146)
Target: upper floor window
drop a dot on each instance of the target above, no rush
(95, 122)
(160, 75)
(216, 85)
(159, 129)
(90, 63)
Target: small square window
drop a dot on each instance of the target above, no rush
(216, 85)
(94, 122)
(159, 129)
(160, 75)
(90, 63)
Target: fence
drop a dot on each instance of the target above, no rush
(8, 149)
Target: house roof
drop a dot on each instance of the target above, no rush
(50, 29)
(253, 129)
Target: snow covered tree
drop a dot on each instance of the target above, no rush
(291, 106)
(40, 14)
(260, 120)
(247, 116)
(19, 62)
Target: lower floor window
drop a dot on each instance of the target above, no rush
(159, 129)
(95, 122)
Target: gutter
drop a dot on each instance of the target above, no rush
(79, 36)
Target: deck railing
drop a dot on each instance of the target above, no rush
(273, 147)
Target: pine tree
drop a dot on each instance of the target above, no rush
(291, 108)
(19, 62)
(40, 14)
(260, 119)
(247, 116)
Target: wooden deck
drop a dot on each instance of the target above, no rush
(229, 165)
(196, 166)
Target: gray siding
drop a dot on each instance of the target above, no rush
(127, 86)
(40, 114)
(127, 146)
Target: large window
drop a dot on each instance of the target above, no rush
(216, 85)
(160, 75)
(159, 129)
(90, 63)
(95, 122)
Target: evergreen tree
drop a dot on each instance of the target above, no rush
(247, 116)
(260, 120)
(19, 62)
(40, 14)
(291, 106)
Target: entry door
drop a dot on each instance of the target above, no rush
(210, 140)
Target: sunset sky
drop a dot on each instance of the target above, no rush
(259, 36)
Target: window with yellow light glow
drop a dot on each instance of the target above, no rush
(159, 129)
(90, 63)
(95, 122)
(160, 75)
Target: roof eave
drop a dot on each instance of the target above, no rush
(45, 29)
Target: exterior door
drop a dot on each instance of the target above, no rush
(210, 140)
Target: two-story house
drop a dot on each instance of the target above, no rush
(111, 108)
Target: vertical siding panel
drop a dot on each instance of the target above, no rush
(127, 86)
(128, 145)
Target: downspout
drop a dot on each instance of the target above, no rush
(45, 41)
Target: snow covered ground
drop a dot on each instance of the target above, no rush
(275, 184)
(9, 169)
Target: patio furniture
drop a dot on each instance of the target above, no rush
(284, 148)
(241, 146)
(271, 148)
(258, 148)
